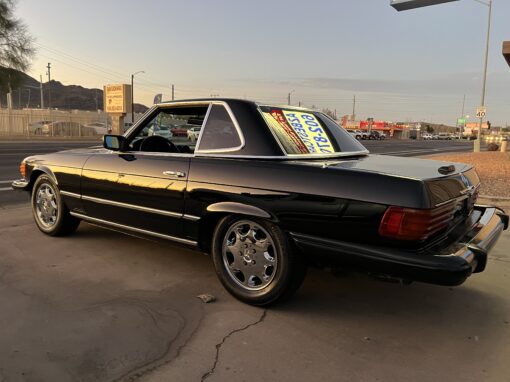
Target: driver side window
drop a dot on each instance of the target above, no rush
(170, 129)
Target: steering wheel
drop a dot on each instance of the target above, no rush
(157, 143)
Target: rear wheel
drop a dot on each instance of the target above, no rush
(50, 213)
(255, 261)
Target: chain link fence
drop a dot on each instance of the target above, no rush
(53, 123)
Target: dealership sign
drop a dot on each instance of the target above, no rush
(117, 99)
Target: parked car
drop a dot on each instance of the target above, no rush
(66, 128)
(179, 131)
(444, 136)
(427, 136)
(376, 135)
(267, 190)
(38, 128)
(193, 133)
(161, 130)
(99, 128)
(354, 133)
(364, 134)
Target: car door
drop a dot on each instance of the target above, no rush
(141, 189)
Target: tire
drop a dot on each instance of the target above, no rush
(51, 215)
(280, 270)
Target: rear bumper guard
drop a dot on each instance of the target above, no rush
(445, 266)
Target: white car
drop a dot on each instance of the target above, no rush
(356, 134)
(444, 136)
(427, 136)
(193, 134)
(38, 128)
(99, 127)
(161, 130)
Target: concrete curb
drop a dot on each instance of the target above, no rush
(492, 197)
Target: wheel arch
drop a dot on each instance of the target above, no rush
(37, 172)
(217, 211)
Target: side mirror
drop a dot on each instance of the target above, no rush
(114, 142)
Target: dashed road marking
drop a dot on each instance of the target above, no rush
(6, 189)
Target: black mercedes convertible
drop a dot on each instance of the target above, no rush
(264, 189)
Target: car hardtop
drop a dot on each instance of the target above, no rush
(258, 139)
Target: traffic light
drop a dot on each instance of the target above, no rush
(488, 125)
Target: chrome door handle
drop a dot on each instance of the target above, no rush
(178, 174)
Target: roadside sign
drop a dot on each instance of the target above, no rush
(117, 98)
(461, 121)
(481, 111)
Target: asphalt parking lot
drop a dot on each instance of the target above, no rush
(102, 306)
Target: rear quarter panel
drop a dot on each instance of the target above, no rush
(308, 199)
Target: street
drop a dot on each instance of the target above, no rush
(13, 152)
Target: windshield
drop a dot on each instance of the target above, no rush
(308, 133)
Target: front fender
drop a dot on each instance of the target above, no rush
(38, 170)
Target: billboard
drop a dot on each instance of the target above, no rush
(404, 5)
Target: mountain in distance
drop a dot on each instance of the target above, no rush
(65, 97)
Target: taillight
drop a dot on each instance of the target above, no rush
(23, 169)
(415, 224)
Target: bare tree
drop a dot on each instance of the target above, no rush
(16, 44)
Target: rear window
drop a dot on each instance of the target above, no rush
(303, 132)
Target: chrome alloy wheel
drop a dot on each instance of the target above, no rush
(249, 255)
(46, 206)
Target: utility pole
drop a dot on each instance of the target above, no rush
(41, 89)
(173, 92)
(354, 108)
(463, 104)
(49, 84)
(133, 95)
(288, 97)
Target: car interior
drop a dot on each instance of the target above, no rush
(166, 131)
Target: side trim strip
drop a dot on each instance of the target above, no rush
(191, 217)
(70, 194)
(138, 230)
(131, 206)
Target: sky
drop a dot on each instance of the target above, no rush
(402, 66)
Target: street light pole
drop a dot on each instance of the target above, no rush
(489, 4)
(403, 5)
(133, 95)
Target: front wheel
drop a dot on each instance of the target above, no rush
(255, 261)
(50, 213)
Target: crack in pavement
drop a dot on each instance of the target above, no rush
(220, 344)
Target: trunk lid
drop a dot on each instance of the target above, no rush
(443, 181)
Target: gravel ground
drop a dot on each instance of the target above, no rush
(493, 169)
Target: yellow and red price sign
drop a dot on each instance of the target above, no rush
(309, 130)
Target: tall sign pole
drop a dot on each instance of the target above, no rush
(478, 141)
(117, 103)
